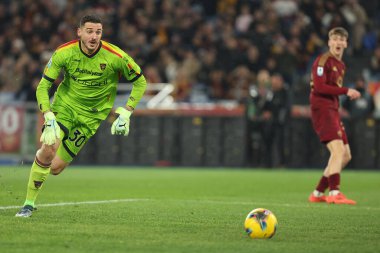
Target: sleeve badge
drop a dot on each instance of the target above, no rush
(320, 71)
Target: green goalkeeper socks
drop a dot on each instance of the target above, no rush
(37, 177)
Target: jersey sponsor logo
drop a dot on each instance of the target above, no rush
(320, 71)
(102, 66)
(86, 71)
(89, 83)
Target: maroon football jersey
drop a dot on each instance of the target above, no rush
(327, 82)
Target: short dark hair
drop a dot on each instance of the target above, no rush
(90, 18)
(338, 31)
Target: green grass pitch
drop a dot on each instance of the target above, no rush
(115, 209)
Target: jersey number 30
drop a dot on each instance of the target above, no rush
(78, 138)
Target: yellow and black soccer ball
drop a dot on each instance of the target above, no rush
(260, 223)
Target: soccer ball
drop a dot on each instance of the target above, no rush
(260, 223)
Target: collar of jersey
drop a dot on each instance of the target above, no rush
(92, 55)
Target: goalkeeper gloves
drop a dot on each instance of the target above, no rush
(51, 131)
(121, 125)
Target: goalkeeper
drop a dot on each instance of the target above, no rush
(85, 97)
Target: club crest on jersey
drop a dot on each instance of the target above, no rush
(320, 71)
(335, 69)
(103, 66)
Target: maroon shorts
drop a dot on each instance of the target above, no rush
(327, 125)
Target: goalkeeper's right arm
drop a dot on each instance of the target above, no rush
(51, 131)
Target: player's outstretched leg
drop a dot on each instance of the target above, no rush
(37, 177)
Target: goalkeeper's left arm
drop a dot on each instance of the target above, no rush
(121, 125)
(139, 87)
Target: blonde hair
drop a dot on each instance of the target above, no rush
(338, 31)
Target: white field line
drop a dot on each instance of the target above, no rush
(204, 201)
(78, 203)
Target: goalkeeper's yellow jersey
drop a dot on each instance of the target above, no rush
(90, 81)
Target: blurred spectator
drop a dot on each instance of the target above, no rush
(240, 80)
(152, 78)
(362, 107)
(217, 85)
(276, 114)
(376, 99)
(375, 64)
(190, 65)
(260, 96)
(28, 93)
(207, 65)
(285, 8)
(182, 86)
(286, 60)
(356, 16)
(253, 59)
(190, 41)
(169, 66)
(314, 44)
(244, 19)
(151, 74)
(369, 39)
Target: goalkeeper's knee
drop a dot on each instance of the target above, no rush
(47, 153)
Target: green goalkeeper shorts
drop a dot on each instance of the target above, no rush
(77, 129)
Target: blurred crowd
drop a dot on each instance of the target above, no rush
(211, 50)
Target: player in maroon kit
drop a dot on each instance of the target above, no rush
(326, 86)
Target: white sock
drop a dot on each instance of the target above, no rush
(318, 193)
(334, 192)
